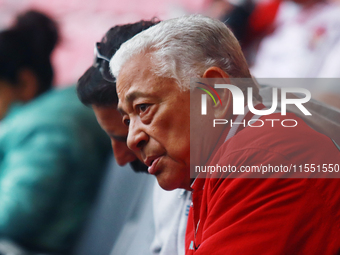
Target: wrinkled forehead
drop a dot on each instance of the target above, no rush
(132, 70)
(135, 79)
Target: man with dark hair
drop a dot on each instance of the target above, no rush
(97, 89)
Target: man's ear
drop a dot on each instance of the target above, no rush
(215, 72)
(28, 85)
(223, 111)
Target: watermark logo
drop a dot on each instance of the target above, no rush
(239, 100)
(204, 97)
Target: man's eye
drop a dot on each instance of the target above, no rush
(126, 122)
(143, 107)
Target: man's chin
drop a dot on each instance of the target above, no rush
(166, 184)
(170, 180)
(139, 167)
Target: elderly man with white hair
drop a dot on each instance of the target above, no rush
(231, 213)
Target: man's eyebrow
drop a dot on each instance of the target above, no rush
(133, 95)
(129, 98)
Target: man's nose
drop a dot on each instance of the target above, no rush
(122, 153)
(137, 137)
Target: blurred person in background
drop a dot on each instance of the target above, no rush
(234, 13)
(52, 151)
(249, 20)
(303, 42)
(303, 34)
(288, 39)
(169, 211)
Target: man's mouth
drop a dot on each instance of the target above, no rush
(151, 162)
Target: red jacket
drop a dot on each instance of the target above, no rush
(267, 216)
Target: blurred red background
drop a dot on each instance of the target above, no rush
(83, 22)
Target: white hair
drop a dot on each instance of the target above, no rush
(183, 48)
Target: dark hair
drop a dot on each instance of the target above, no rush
(92, 88)
(29, 44)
